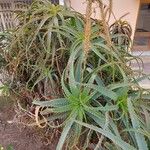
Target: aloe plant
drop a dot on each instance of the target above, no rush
(79, 68)
(80, 101)
(39, 46)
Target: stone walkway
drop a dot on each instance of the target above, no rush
(146, 68)
(146, 83)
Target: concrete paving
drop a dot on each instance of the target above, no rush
(146, 83)
(145, 56)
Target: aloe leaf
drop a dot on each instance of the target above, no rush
(71, 77)
(78, 70)
(61, 109)
(100, 120)
(65, 132)
(95, 50)
(37, 31)
(64, 87)
(115, 139)
(52, 103)
(96, 116)
(69, 30)
(105, 108)
(102, 90)
(106, 49)
(136, 80)
(120, 85)
(142, 145)
(99, 81)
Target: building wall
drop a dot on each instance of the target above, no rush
(120, 8)
(143, 22)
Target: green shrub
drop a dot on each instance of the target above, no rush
(79, 68)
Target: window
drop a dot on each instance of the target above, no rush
(61, 2)
(55, 1)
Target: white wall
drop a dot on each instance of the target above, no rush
(120, 7)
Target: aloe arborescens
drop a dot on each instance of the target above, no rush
(98, 98)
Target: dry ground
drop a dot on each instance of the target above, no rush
(18, 136)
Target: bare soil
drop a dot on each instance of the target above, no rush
(18, 136)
